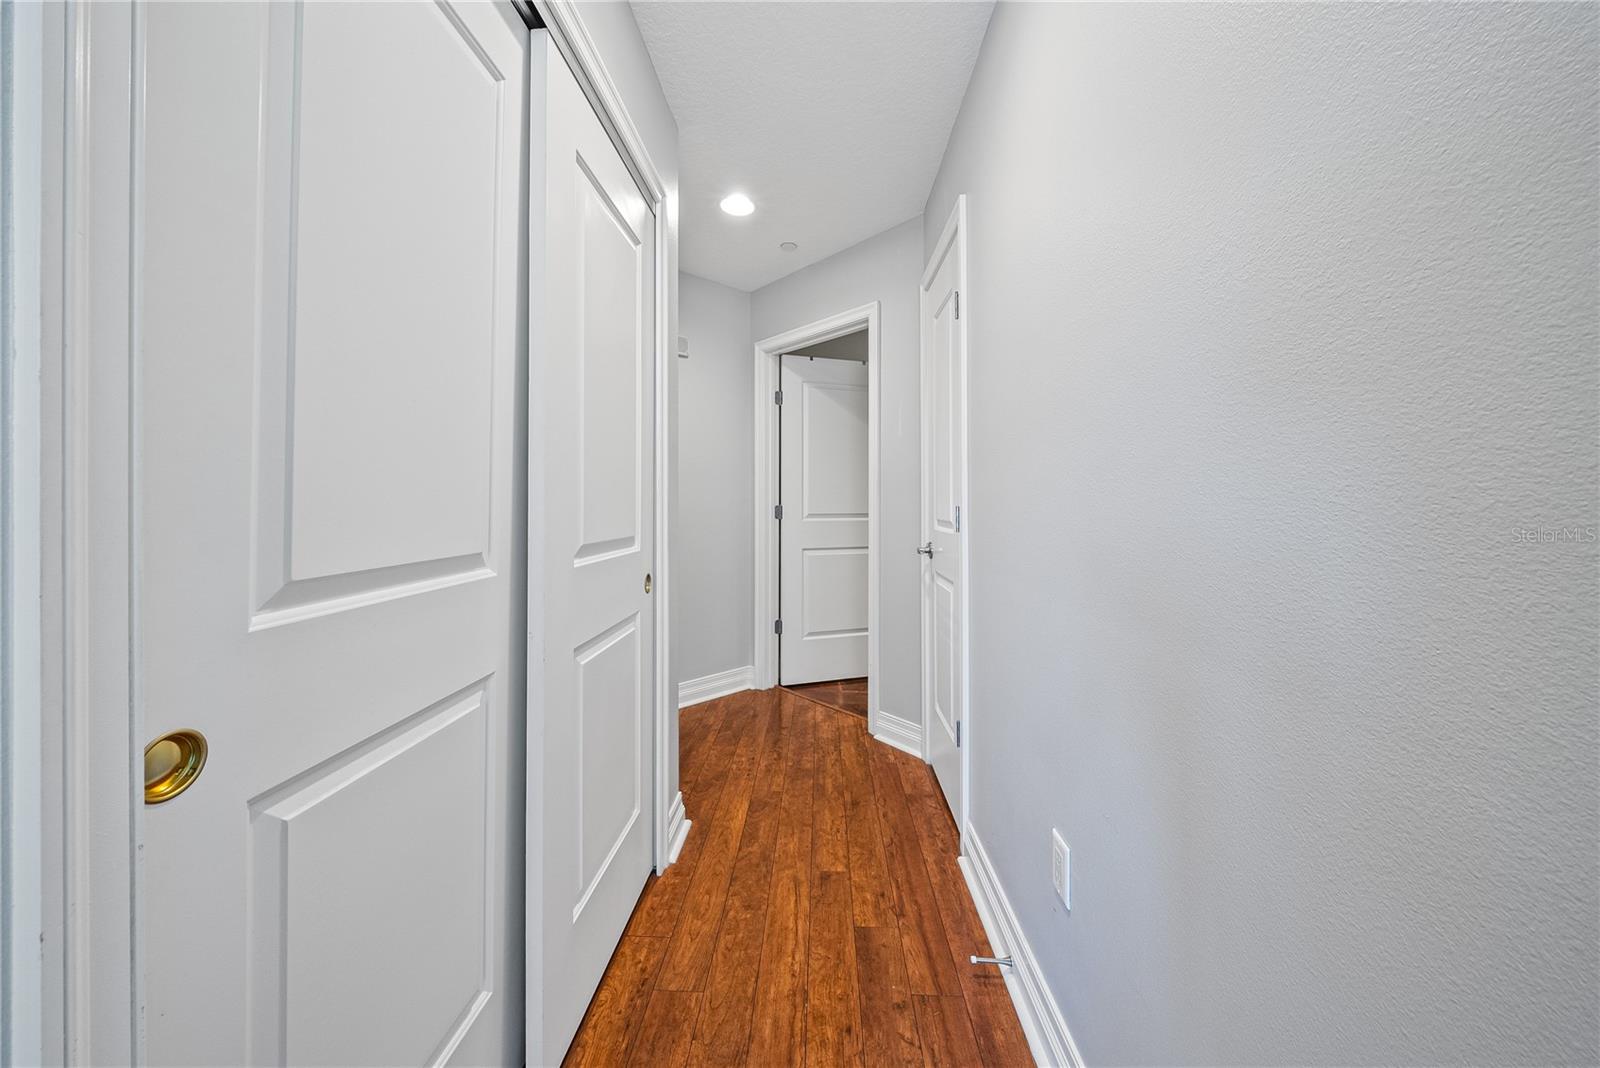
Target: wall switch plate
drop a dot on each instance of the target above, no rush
(1061, 868)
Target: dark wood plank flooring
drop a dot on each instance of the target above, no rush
(816, 915)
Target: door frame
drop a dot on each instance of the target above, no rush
(21, 821)
(91, 723)
(768, 378)
(955, 231)
(91, 729)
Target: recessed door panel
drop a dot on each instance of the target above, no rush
(361, 877)
(833, 593)
(944, 611)
(379, 322)
(833, 445)
(611, 307)
(609, 685)
(943, 414)
(392, 306)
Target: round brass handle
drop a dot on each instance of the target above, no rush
(171, 764)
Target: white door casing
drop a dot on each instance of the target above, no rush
(944, 494)
(766, 480)
(591, 649)
(329, 316)
(823, 528)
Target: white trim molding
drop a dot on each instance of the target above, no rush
(904, 734)
(92, 729)
(718, 684)
(678, 824)
(22, 841)
(768, 352)
(571, 38)
(1041, 1017)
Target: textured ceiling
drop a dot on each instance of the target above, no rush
(832, 117)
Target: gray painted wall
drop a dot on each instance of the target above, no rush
(1283, 326)
(712, 562)
(886, 268)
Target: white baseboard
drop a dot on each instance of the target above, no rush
(693, 691)
(903, 734)
(1042, 1021)
(677, 829)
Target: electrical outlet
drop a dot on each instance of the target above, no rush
(1061, 868)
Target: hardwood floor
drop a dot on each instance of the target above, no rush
(847, 695)
(816, 915)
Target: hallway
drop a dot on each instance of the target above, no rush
(817, 914)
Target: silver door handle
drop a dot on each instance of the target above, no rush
(926, 550)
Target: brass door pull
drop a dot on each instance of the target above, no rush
(171, 764)
(647, 582)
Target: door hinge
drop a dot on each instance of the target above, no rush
(777, 511)
(958, 734)
(958, 304)
(777, 626)
(777, 396)
(958, 519)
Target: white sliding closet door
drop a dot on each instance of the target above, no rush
(329, 531)
(593, 396)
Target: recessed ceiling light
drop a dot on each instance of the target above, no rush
(788, 246)
(737, 204)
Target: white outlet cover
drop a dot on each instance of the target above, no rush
(1061, 867)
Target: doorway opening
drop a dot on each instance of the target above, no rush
(822, 522)
(817, 511)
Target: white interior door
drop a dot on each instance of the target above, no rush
(944, 493)
(329, 530)
(822, 586)
(592, 388)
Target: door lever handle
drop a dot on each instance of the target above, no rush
(926, 550)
